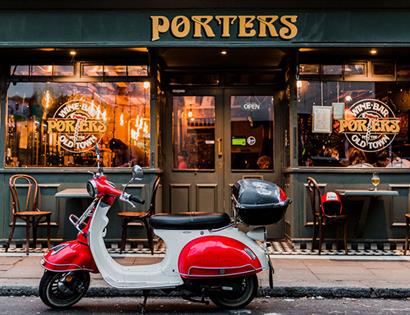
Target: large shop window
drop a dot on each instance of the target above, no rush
(353, 124)
(59, 124)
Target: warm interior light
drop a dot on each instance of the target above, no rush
(122, 119)
(146, 85)
(98, 112)
(73, 53)
(46, 49)
(224, 52)
(139, 49)
(298, 84)
(306, 49)
(373, 51)
(348, 98)
(47, 99)
(190, 114)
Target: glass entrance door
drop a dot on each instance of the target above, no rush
(216, 138)
(193, 174)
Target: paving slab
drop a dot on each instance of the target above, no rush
(294, 276)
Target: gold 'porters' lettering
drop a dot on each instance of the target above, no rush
(376, 126)
(246, 26)
(202, 23)
(180, 26)
(274, 26)
(69, 126)
(226, 22)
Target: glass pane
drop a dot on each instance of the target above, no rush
(380, 68)
(403, 71)
(92, 70)
(138, 70)
(58, 124)
(194, 132)
(42, 70)
(19, 70)
(355, 69)
(115, 71)
(63, 70)
(308, 69)
(332, 69)
(252, 132)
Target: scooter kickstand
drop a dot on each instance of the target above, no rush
(203, 299)
(144, 303)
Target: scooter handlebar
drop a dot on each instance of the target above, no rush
(136, 199)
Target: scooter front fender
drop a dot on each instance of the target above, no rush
(69, 256)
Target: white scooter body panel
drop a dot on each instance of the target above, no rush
(164, 274)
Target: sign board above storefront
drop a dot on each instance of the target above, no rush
(204, 27)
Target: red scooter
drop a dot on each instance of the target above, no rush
(206, 255)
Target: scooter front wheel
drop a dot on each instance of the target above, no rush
(63, 289)
(241, 292)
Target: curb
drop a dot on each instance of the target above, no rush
(283, 291)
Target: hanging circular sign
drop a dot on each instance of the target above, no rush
(251, 140)
(79, 125)
(370, 125)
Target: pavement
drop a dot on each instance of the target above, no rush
(295, 276)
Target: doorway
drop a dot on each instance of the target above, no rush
(215, 136)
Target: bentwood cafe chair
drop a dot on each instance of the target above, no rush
(27, 210)
(321, 219)
(143, 217)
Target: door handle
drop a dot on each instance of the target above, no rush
(220, 153)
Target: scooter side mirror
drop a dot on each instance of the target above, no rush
(137, 172)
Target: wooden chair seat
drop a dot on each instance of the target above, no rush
(33, 213)
(132, 214)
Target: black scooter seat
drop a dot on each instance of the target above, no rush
(190, 221)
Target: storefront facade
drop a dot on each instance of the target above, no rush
(203, 97)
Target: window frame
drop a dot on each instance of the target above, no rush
(75, 78)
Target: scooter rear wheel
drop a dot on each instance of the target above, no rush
(63, 289)
(244, 291)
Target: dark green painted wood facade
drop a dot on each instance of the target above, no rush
(132, 28)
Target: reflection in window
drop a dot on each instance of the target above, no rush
(252, 132)
(113, 70)
(63, 70)
(194, 132)
(42, 70)
(309, 69)
(372, 124)
(355, 69)
(92, 70)
(137, 70)
(58, 124)
(332, 69)
(20, 70)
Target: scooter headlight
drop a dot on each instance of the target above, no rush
(92, 188)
